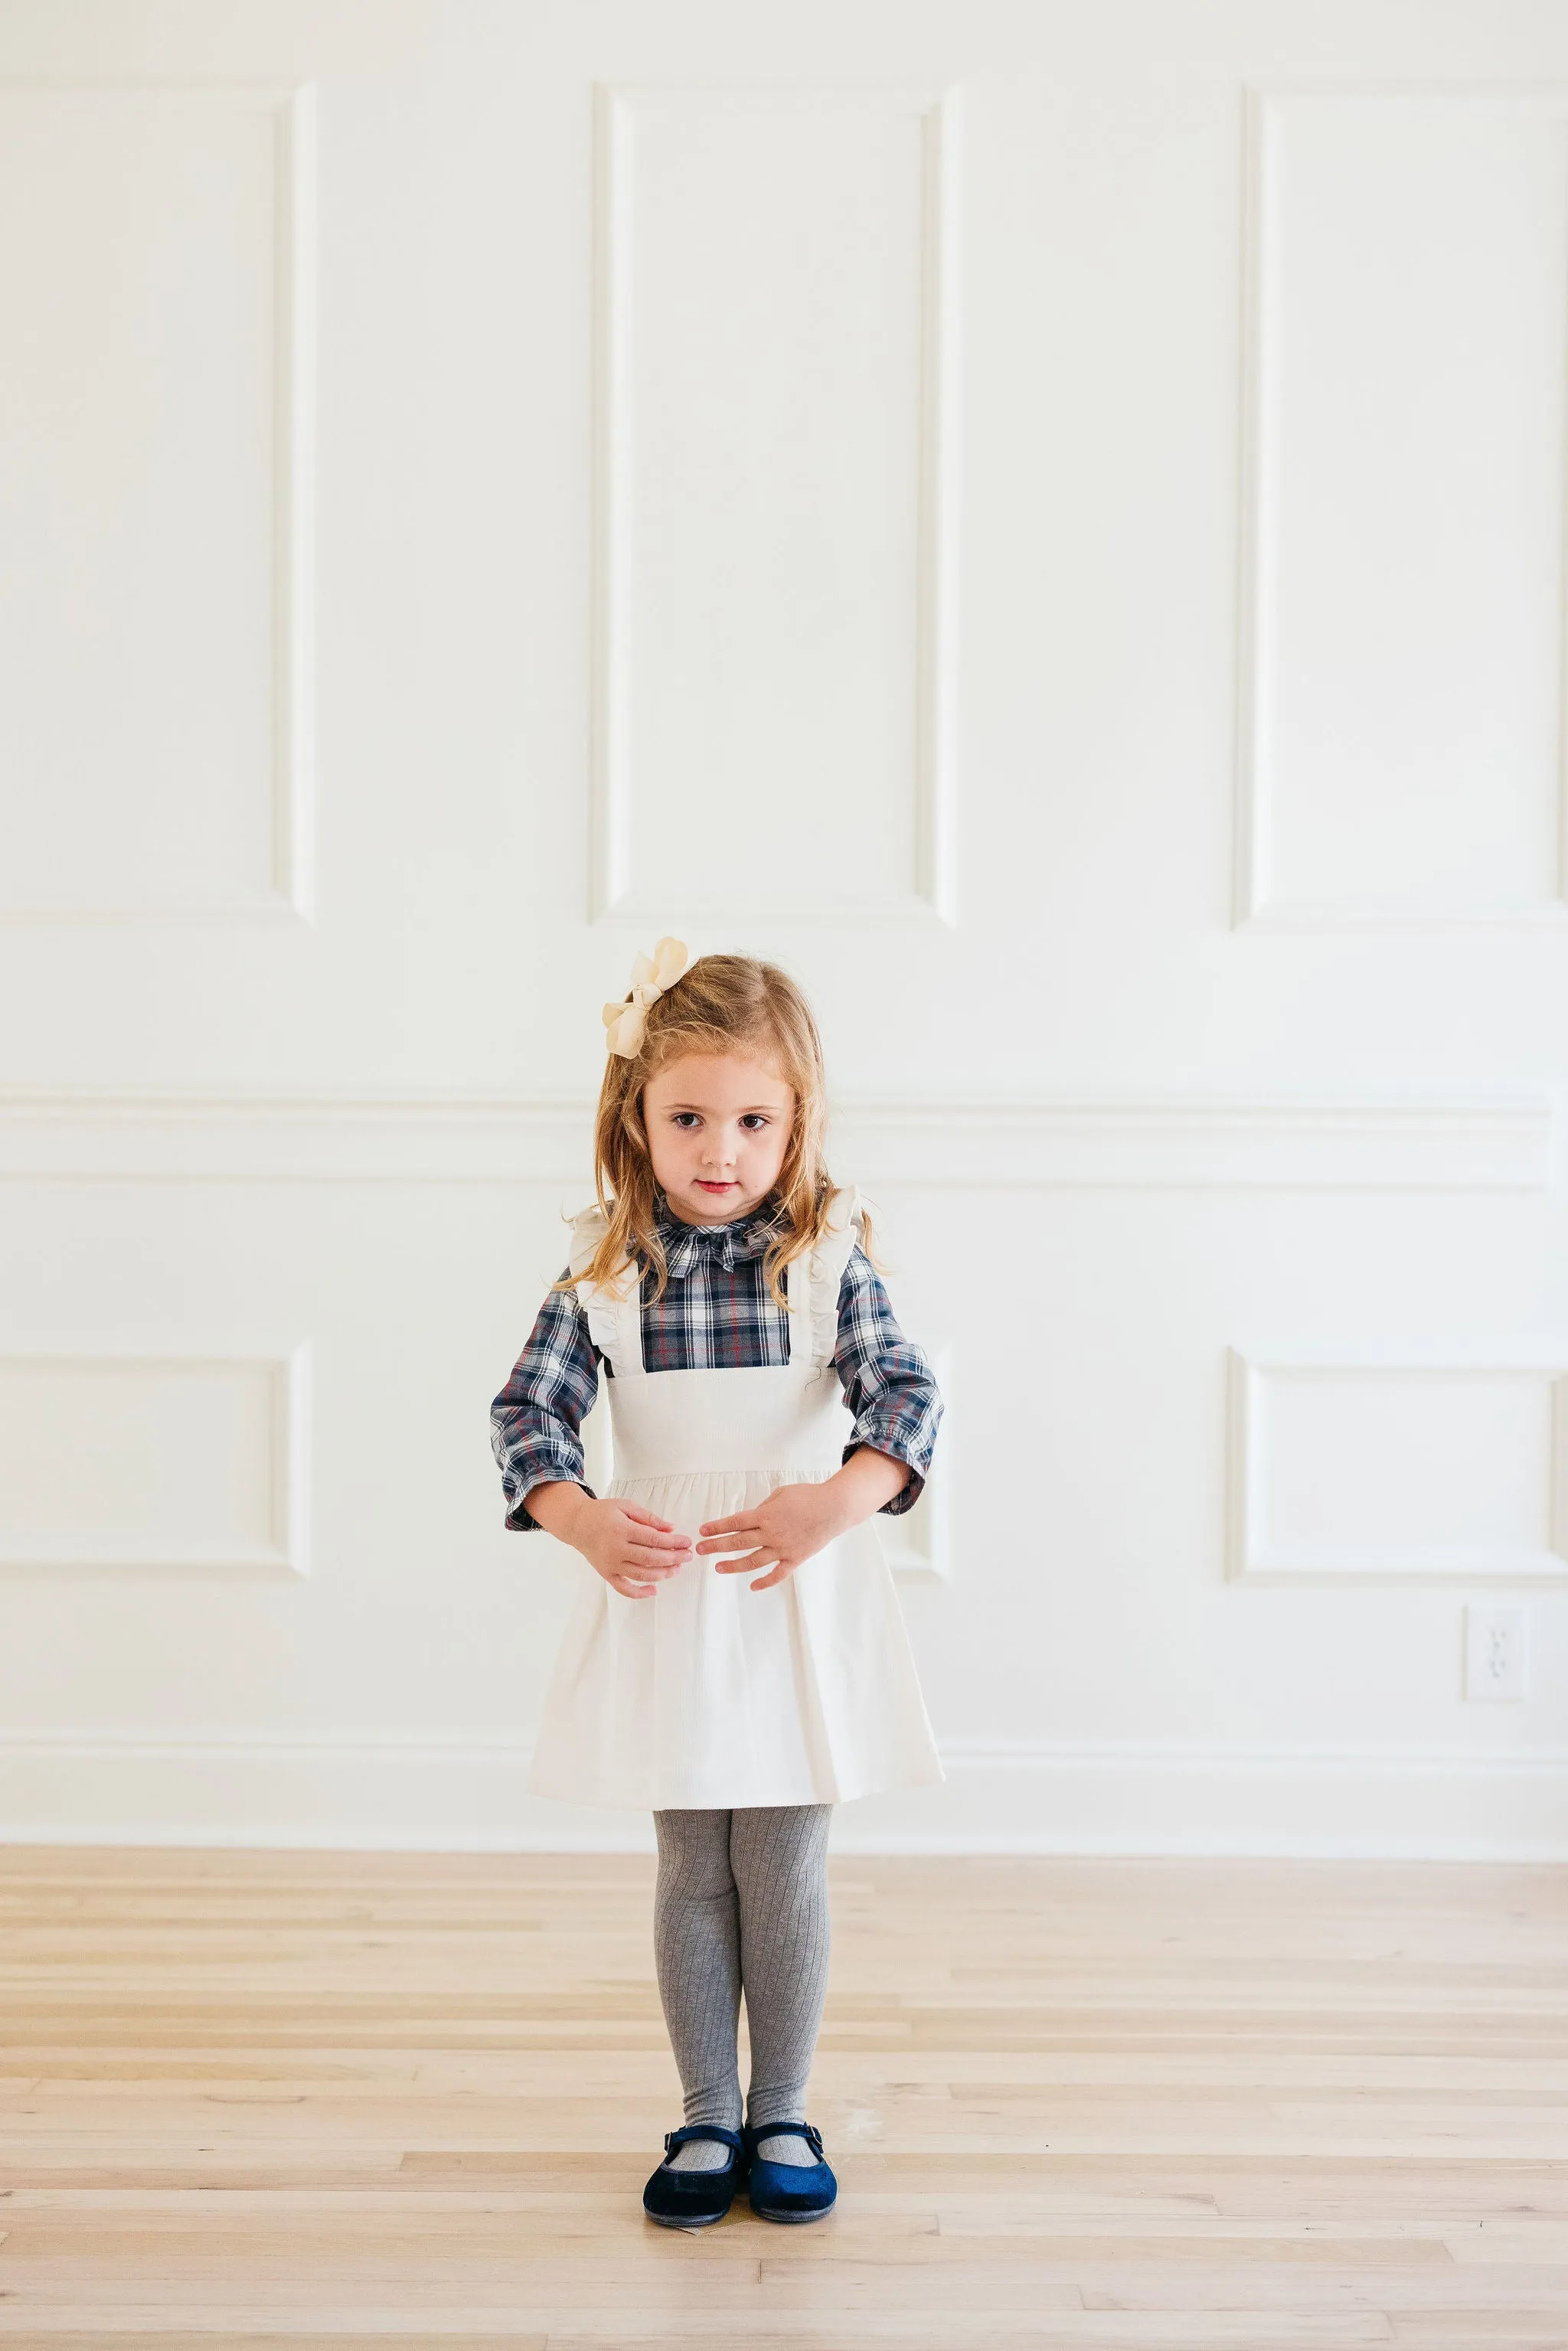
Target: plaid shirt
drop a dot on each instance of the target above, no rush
(716, 1314)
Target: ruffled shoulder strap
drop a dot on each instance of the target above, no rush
(614, 1315)
(827, 1262)
(589, 1227)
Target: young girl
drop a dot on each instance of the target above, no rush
(737, 1660)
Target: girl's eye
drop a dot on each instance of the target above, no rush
(686, 1118)
(754, 1119)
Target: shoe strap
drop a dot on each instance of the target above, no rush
(757, 2132)
(683, 2138)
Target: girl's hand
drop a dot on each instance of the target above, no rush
(781, 1532)
(796, 1520)
(627, 1546)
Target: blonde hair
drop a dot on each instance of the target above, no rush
(724, 1004)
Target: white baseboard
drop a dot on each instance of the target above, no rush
(448, 1795)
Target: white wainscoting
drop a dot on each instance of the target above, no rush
(1087, 1590)
(1402, 749)
(159, 400)
(775, 502)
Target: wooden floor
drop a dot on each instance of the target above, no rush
(317, 2098)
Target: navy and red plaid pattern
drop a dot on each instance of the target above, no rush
(716, 1314)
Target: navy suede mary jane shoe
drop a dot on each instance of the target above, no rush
(694, 2199)
(789, 2191)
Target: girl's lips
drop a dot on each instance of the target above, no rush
(703, 1186)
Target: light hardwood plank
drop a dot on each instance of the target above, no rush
(269, 2099)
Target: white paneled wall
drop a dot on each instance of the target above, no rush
(776, 335)
(1440, 1467)
(196, 1461)
(1405, 670)
(155, 414)
(1050, 522)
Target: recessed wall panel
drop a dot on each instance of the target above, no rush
(122, 1460)
(1411, 1468)
(1404, 613)
(154, 729)
(774, 481)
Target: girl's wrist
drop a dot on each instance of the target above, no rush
(867, 1481)
(555, 1503)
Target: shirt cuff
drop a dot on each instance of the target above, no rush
(520, 1519)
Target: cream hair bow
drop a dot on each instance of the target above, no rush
(651, 975)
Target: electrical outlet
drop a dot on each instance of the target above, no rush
(1494, 1653)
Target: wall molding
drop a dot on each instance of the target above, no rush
(614, 895)
(291, 897)
(288, 1371)
(1255, 904)
(1140, 1142)
(427, 1792)
(1252, 1558)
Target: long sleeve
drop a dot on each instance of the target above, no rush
(888, 1384)
(536, 1422)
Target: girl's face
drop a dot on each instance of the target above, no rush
(717, 1127)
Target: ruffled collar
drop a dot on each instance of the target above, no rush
(685, 1246)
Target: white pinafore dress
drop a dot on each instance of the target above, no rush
(709, 1694)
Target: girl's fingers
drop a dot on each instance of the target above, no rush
(738, 1522)
(727, 1541)
(645, 1518)
(780, 1572)
(764, 1556)
(650, 1563)
(630, 1591)
(744, 1564)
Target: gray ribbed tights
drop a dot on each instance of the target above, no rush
(741, 1904)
